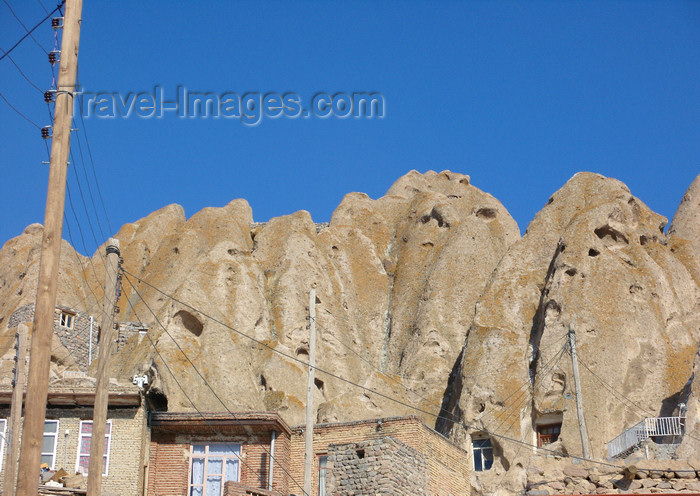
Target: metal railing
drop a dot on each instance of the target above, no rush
(631, 438)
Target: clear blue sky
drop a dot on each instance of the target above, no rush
(519, 95)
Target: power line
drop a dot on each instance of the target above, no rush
(359, 386)
(82, 268)
(92, 161)
(547, 367)
(20, 113)
(43, 6)
(87, 181)
(80, 229)
(372, 365)
(32, 30)
(85, 208)
(618, 394)
(25, 27)
(22, 72)
(198, 373)
(162, 359)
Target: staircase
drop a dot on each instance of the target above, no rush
(632, 438)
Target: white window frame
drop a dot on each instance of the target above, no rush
(479, 451)
(105, 468)
(66, 317)
(206, 455)
(3, 433)
(55, 442)
(322, 473)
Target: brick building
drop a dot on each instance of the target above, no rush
(232, 453)
(193, 454)
(67, 431)
(442, 468)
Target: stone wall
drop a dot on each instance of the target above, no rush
(448, 465)
(75, 339)
(379, 466)
(551, 477)
(129, 329)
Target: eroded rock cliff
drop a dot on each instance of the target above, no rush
(427, 295)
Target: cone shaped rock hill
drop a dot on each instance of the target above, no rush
(428, 296)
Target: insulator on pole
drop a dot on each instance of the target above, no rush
(54, 56)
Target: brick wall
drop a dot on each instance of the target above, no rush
(126, 455)
(170, 456)
(448, 465)
(380, 466)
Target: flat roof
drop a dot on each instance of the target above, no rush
(329, 425)
(119, 396)
(298, 429)
(183, 419)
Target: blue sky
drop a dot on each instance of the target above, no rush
(519, 95)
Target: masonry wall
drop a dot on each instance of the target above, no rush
(448, 465)
(547, 476)
(76, 339)
(380, 466)
(170, 457)
(126, 454)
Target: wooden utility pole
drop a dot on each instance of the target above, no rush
(107, 337)
(16, 412)
(309, 433)
(40, 353)
(579, 399)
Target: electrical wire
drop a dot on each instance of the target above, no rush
(22, 73)
(198, 373)
(87, 181)
(20, 113)
(359, 386)
(189, 399)
(43, 6)
(25, 27)
(89, 149)
(29, 32)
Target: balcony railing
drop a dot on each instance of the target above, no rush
(630, 439)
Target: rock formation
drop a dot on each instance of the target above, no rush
(427, 296)
(594, 258)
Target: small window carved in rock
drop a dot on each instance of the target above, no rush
(547, 434)
(482, 451)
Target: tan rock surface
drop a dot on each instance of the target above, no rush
(429, 289)
(686, 221)
(396, 278)
(596, 258)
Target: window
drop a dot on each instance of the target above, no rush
(3, 440)
(48, 448)
(67, 320)
(322, 470)
(547, 434)
(210, 466)
(483, 453)
(82, 464)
